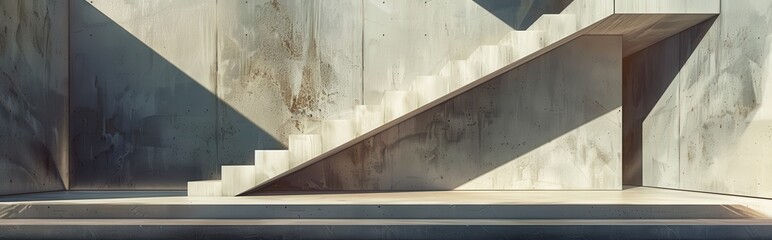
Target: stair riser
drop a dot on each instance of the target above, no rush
(304, 147)
(367, 117)
(270, 163)
(523, 43)
(459, 73)
(487, 59)
(429, 88)
(204, 189)
(336, 133)
(398, 103)
(237, 179)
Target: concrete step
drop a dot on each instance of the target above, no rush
(429, 88)
(205, 188)
(488, 58)
(237, 179)
(523, 43)
(336, 133)
(304, 147)
(555, 26)
(397, 103)
(367, 117)
(459, 73)
(270, 163)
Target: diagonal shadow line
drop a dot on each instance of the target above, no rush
(334, 174)
(471, 134)
(521, 14)
(138, 121)
(87, 195)
(554, 8)
(647, 75)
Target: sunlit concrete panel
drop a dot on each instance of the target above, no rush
(726, 104)
(404, 38)
(34, 131)
(552, 123)
(722, 71)
(281, 63)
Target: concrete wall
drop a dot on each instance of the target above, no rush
(405, 38)
(168, 91)
(143, 83)
(552, 123)
(33, 96)
(282, 67)
(705, 109)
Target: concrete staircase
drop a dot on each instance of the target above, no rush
(455, 74)
(487, 61)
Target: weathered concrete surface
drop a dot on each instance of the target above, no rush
(281, 64)
(404, 38)
(168, 91)
(552, 123)
(724, 118)
(143, 86)
(33, 96)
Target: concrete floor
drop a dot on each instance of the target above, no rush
(741, 207)
(634, 213)
(630, 195)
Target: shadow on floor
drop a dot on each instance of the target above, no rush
(89, 195)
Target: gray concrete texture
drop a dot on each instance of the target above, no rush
(33, 96)
(142, 86)
(552, 123)
(168, 91)
(147, 115)
(701, 100)
(406, 39)
(152, 78)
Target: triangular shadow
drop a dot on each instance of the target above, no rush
(520, 14)
(138, 121)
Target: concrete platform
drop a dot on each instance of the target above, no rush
(633, 213)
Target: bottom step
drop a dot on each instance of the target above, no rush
(237, 179)
(206, 188)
